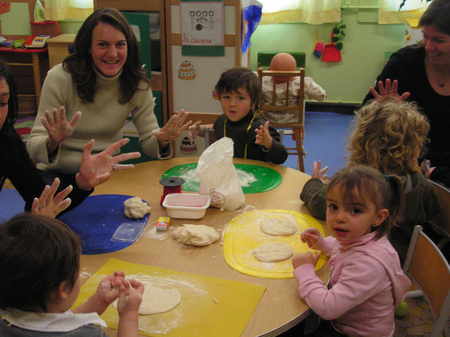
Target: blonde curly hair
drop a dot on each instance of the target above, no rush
(388, 136)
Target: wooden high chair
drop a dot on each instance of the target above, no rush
(426, 266)
(289, 104)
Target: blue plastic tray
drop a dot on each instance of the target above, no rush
(96, 220)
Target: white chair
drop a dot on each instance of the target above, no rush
(428, 268)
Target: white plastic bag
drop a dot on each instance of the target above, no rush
(218, 176)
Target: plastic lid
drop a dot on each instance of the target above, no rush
(172, 181)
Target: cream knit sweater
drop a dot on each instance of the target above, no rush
(101, 120)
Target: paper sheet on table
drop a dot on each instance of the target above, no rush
(209, 306)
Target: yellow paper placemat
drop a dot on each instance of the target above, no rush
(243, 234)
(209, 306)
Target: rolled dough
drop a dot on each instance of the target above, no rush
(279, 225)
(156, 300)
(273, 252)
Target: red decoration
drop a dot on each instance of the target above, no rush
(5, 7)
(331, 53)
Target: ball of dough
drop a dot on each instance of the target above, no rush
(136, 208)
(282, 225)
(195, 235)
(273, 252)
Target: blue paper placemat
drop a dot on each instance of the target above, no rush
(97, 219)
(11, 203)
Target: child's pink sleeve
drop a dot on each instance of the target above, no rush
(360, 279)
(327, 245)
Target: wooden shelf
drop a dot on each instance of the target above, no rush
(58, 48)
(29, 68)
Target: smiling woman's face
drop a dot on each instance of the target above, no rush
(437, 45)
(109, 49)
(4, 98)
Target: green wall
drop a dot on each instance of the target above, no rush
(70, 27)
(365, 47)
(363, 55)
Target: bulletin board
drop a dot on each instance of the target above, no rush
(192, 78)
(21, 30)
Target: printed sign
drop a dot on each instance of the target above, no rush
(202, 23)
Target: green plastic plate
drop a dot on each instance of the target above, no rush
(266, 178)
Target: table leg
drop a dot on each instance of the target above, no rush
(36, 77)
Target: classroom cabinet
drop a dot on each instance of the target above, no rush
(29, 68)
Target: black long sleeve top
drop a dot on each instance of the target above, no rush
(407, 65)
(16, 165)
(244, 137)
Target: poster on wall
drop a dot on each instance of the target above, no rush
(202, 27)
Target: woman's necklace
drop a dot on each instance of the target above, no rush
(441, 78)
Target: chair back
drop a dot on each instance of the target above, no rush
(288, 100)
(282, 100)
(441, 223)
(426, 265)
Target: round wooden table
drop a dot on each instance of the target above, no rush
(280, 307)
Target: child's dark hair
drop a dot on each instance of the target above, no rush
(37, 254)
(367, 183)
(13, 103)
(237, 78)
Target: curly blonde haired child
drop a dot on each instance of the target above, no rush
(388, 136)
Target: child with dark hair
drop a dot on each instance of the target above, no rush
(239, 93)
(366, 281)
(40, 282)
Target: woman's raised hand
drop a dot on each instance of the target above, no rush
(50, 203)
(58, 126)
(388, 90)
(97, 168)
(173, 128)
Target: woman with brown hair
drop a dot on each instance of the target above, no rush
(29, 181)
(91, 95)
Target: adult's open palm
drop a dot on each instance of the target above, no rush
(97, 168)
(57, 124)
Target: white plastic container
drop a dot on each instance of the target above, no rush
(186, 205)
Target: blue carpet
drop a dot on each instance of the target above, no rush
(326, 135)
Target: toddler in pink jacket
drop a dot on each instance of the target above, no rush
(366, 281)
